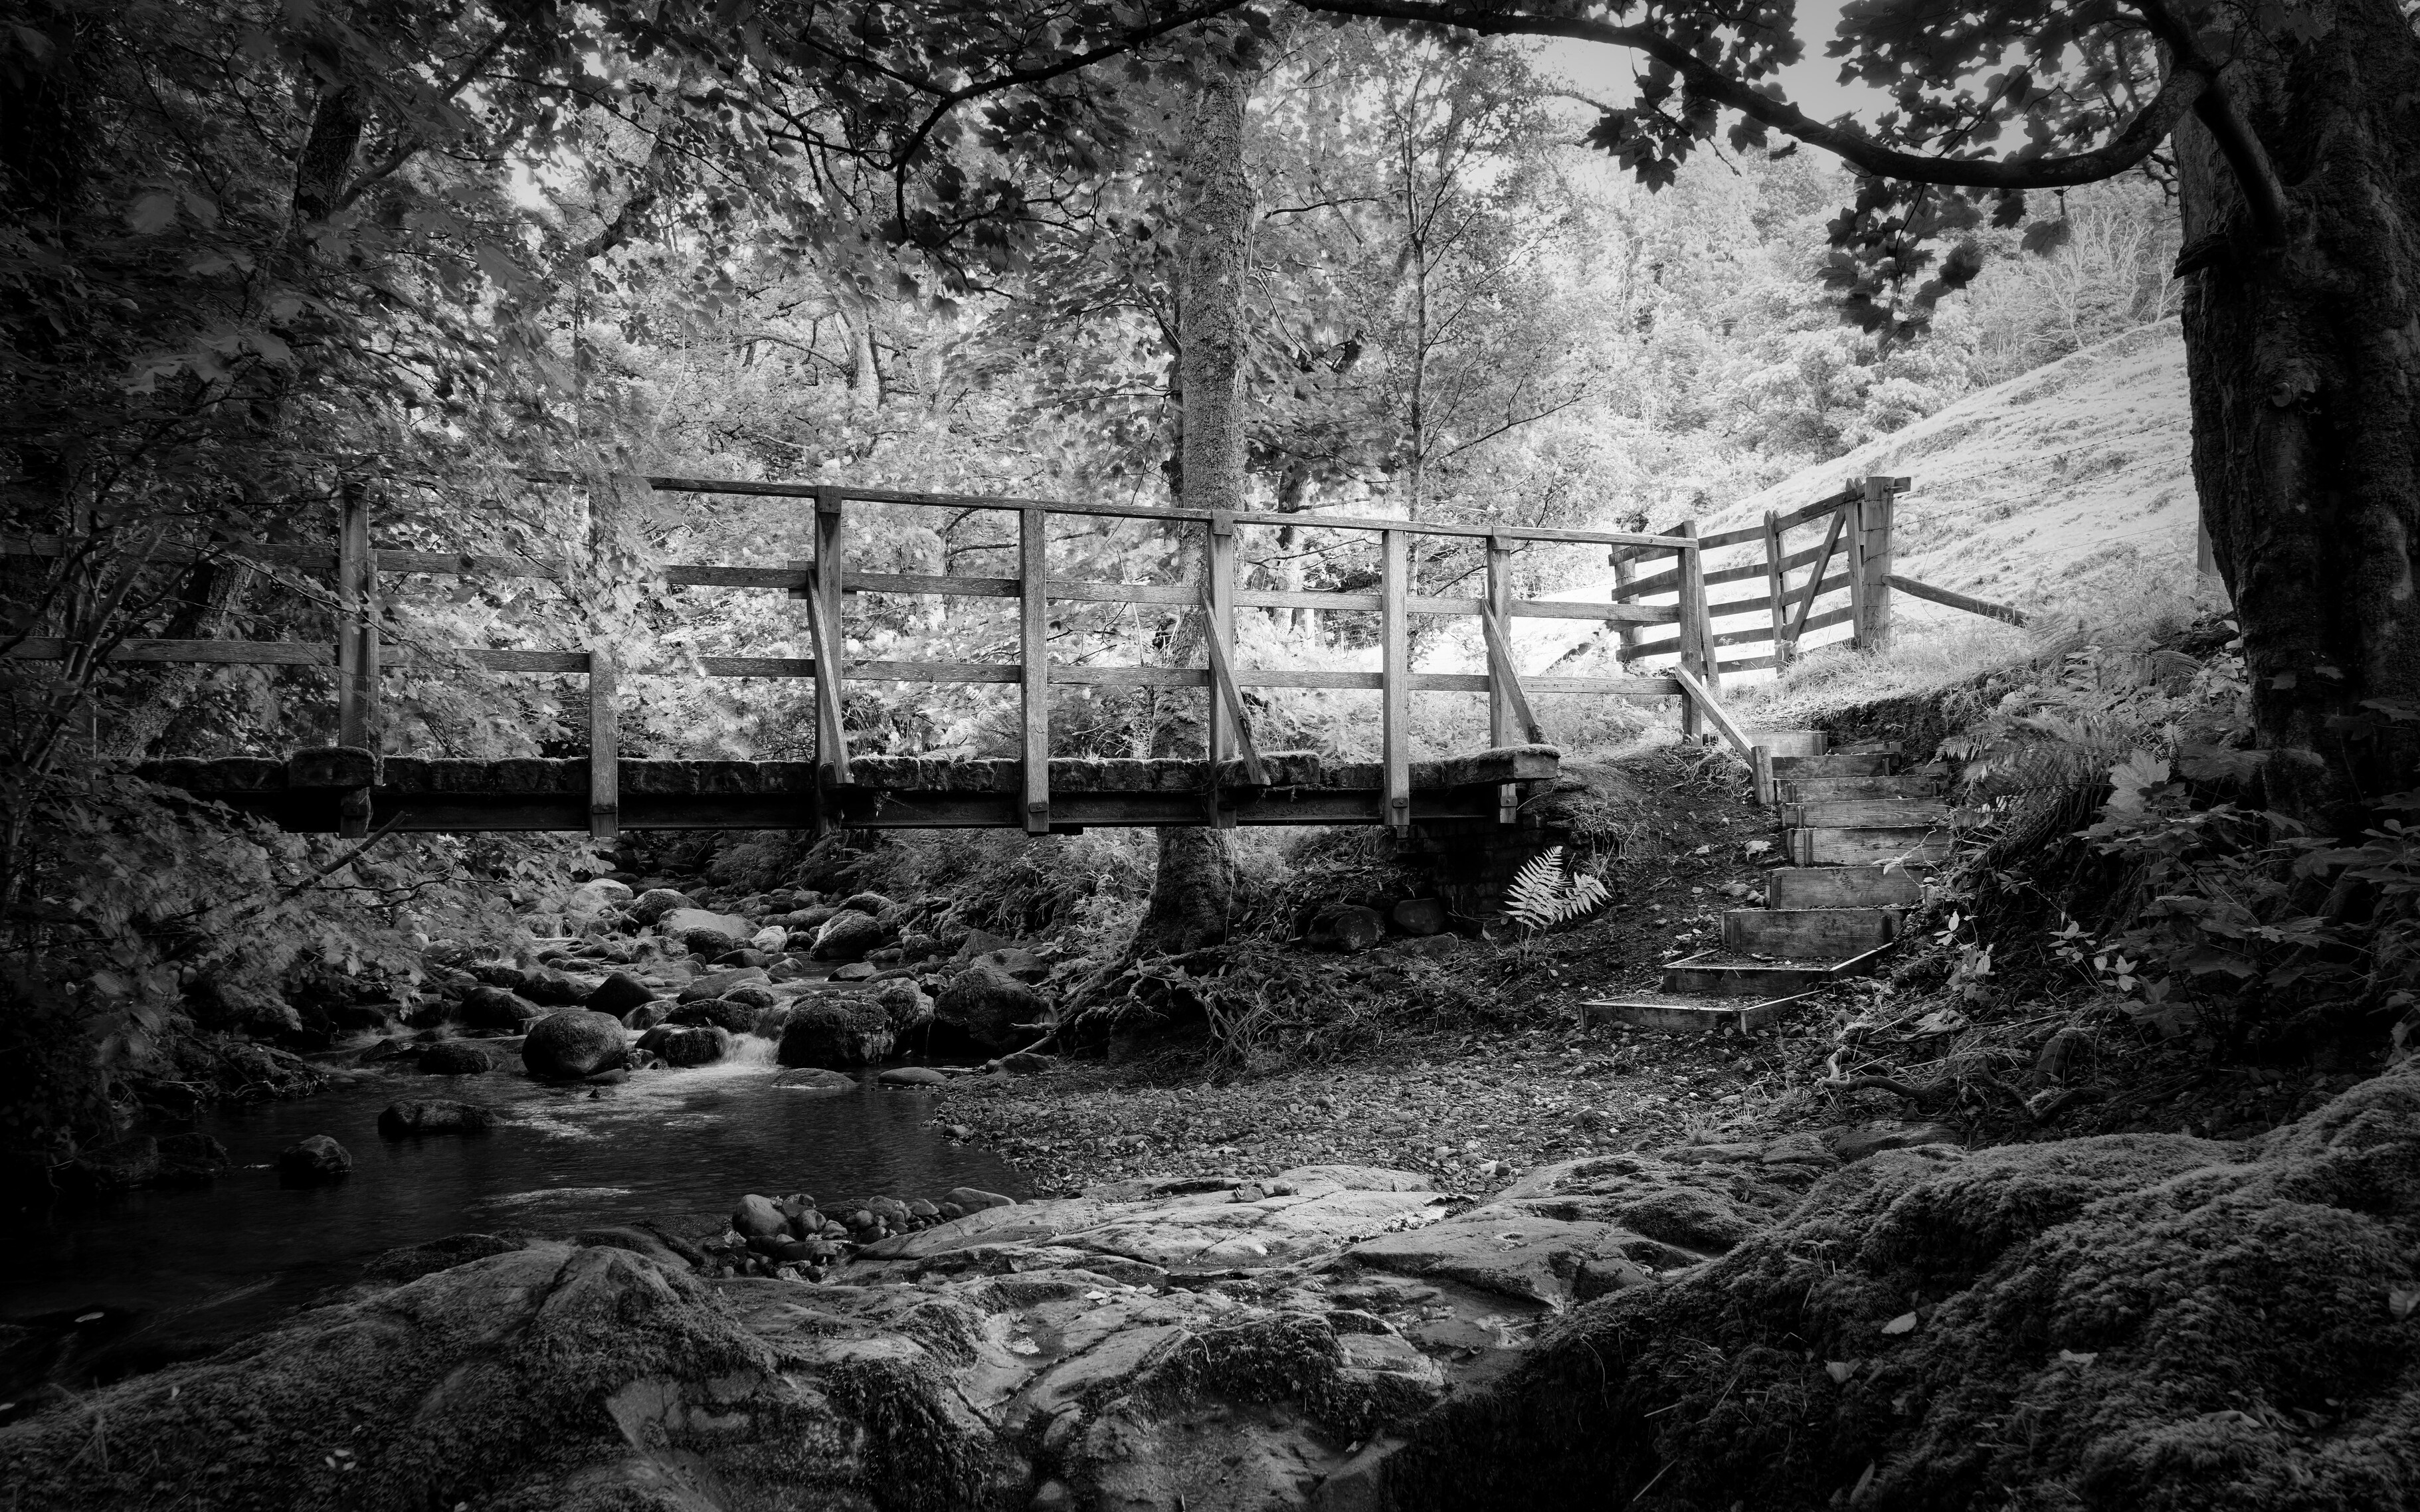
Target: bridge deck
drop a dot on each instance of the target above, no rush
(317, 790)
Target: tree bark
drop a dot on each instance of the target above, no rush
(2304, 363)
(1191, 894)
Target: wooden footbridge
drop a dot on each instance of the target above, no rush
(349, 788)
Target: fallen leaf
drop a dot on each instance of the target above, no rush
(1904, 1323)
(2073, 1358)
(1840, 1370)
(2403, 1303)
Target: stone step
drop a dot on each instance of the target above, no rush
(1912, 846)
(1720, 974)
(1683, 1014)
(1863, 764)
(1804, 934)
(1833, 887)
(1832, 789)
(1870, 814)
(1790, 742)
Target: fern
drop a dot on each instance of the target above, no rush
(1546, 891)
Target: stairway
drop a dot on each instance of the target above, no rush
(1855, 833)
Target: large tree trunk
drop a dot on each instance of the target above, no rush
(1190, 894)
(2304, 362)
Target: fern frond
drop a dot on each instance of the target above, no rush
(1545, 893)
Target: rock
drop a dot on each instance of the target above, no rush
(808, 920)
(554, 988)
(913, 1076)
(494, 1008)
(648, 1015)
(685, 1044)
(847, 936)
(676, 924)
(1027, 1063)
(757, 996)
(1014, 962)
(638, 1241)
(770, 1023)
(454, 1057)
(192, 1157)
(713, 944)
(498, 973)
(1346, 927)
(990, 1008)
(120, 1164)
(618, 994)
(772, 938)
(719, 984)
(313, 1162)
(855, 971)
(1418, 915)
(612, 1078)
(906, 1006)
(975, 1199)
(873, 904)
(433, 1115)
(592, 899)
(759, 1217)
(567, 1047)
(723, 1013)
(836, 1034)
(1856, 1142)
(650, 907)
(816, 1079)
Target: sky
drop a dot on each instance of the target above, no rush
(1603, 73)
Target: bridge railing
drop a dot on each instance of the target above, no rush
(821, 582)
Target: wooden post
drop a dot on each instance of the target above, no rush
(1500, 713)
(357, 635)
(1395, 685)
(1759, 762)
(604, 747)
(1033, 654)
(1776, 590)
(1874, 560)
(1624, 570)
(1695, 630)
(824, 602)
(1219, 633)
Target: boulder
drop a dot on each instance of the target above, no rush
(592, 899)
(772, 938)
(648, 1015)
(836, 1034)
(454, 1057)
(1347, 928)
(913, 1076)
(855, 971)
(750, 994)
(679, 922)
(1014, 962)
(719, 984)
(868, 903)
(1025, 1062)
(433, 1115)
(712, 944)
(568, 1047)
(1419, 916)
(756, 1217)
(905, 1004)
(554, 988)
(1856, 1142)
(988, 1006)
(618, 994)
(808, 920)
(316, 1160)
(722, 1013)
(502, 973)
(847, 936)
(975, 1199)
(494, 1008)
(816, 1079)
(650, 907)
(685, 1044)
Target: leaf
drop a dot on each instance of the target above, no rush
(2073, 1358)
(1904, 1323)
(2403, 1303)
(1840, 1370)
(152, 213)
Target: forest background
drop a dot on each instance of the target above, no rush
(258, 256)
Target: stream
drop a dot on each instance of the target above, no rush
(132, 1281)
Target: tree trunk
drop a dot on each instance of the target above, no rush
(1189, 896)
(2305, 362)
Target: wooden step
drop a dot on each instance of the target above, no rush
(1826, 933)
(1790, 742)
(1685, 1014)
(1868, 814)
(1836, 887)
(1872, 764)
(1890, 748)
(1718, 974)
(1832, 789)
(1865, 847)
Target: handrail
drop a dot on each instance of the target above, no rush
(1957, 601)
(1714, 711)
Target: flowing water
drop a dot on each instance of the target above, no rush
(159, 1274)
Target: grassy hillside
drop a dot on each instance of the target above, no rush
(2066, 492)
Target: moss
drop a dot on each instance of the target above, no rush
(918, 1456)
(2156, 1323)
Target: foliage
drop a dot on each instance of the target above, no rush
(1546, 892)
